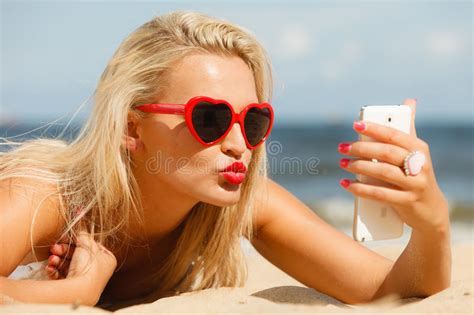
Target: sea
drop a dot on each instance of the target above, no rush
(304, 159)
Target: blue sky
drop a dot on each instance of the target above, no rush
(329, 57)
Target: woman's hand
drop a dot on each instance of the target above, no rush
(85, 259)
(60, 259)
(417, 199)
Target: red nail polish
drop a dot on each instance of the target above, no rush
(344, 147)
(51, 259)
(344, 162)
(345, 182)
(359, 125)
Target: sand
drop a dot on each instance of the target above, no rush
(269, 290)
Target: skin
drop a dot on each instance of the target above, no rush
(289, 234)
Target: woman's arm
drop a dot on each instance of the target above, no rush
(296, 240)
(293, 238)
(423, 269)
(70, 290)
(19, 199)
(90, 269)
(91, 265)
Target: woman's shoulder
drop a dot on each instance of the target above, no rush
(29, 216)
(279, 204)
(272, 192)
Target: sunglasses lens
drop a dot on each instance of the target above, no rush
(257, 122)
(211, 121)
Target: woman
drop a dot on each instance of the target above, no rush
(170, 171)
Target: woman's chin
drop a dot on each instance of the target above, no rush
(226, 194)
(225, 185)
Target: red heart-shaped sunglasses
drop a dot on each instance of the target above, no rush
(210, 120)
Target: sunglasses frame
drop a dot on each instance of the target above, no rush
(187, 110)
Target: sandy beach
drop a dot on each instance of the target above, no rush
(269, 290)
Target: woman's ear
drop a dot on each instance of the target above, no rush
(131, 139)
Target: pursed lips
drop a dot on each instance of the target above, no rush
(236, 167)
(234, 173)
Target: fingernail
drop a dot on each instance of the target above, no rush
(344, 147)
(345, 182)
(50, 269)
(359, 125)
(51, 260)
(344, 162)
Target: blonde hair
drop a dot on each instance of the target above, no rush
(93, 172)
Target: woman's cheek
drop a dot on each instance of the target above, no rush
(192, 171)
(195, 182)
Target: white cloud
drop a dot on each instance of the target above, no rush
(339, 65)
(444, 44)
(351, 51)
(331, 70)
(294, 41)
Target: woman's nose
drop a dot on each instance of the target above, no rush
(234, 142)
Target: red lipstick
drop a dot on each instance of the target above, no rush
(234, 173)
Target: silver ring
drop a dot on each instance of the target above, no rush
(413, 163)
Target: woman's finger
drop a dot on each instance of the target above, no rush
(412, 103)
(390, 195)
(63, 250)
(54, 260)
(104, 249)
(375, 150)
(387, 135)
(63, 267)
(85, 240)
(52, 272)
(384, 171)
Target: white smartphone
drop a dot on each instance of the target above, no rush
(375, 220)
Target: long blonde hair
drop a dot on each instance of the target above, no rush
(93, 173)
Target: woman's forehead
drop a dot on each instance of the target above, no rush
(219, 77)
